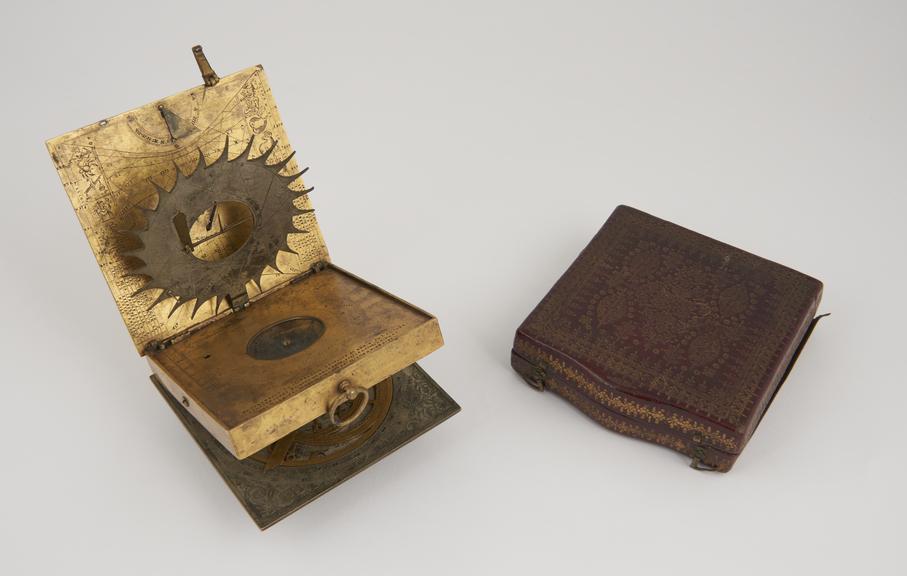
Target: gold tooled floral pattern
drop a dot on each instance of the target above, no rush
(622, 404)
(673, 315)
(621, 426)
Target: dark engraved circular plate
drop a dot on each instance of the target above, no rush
(320, 442)
(285, 338)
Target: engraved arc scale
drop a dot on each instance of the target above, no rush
(272, 356)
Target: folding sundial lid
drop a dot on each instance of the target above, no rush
(141, 182)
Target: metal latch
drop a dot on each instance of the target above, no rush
(539, 377)
(699, 456)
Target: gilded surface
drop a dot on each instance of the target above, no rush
(247, 211)
(214, 369)
(109, 170)
(668, 314)
(321, 442)
(350, 330)
(292, 472)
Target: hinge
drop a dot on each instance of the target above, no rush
(313, 269)
(539, 377)
(698, 462)
(238, 302)
(155, 346)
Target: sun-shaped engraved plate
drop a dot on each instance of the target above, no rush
(217, 229)
(109, 169)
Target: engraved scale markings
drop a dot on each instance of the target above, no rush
(107, 169)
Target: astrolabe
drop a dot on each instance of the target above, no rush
(217, 228)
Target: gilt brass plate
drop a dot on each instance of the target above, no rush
(256, 375)
(292, 472)
(113, 169)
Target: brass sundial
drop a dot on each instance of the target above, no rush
(273, 357)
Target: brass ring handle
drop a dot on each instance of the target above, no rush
(348, 392)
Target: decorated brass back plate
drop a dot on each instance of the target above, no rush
(292, 472)
(189, 201)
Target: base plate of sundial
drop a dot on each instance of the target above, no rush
(293, 471)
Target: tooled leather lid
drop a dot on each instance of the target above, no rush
(669, 315)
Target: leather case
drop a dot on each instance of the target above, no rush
(663, 334)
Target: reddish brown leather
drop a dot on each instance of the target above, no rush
(667, 335)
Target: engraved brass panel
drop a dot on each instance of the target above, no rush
(112, 169)
(249, 402)
(289, 474)
(284, 361)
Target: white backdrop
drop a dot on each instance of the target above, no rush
(463, 153)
